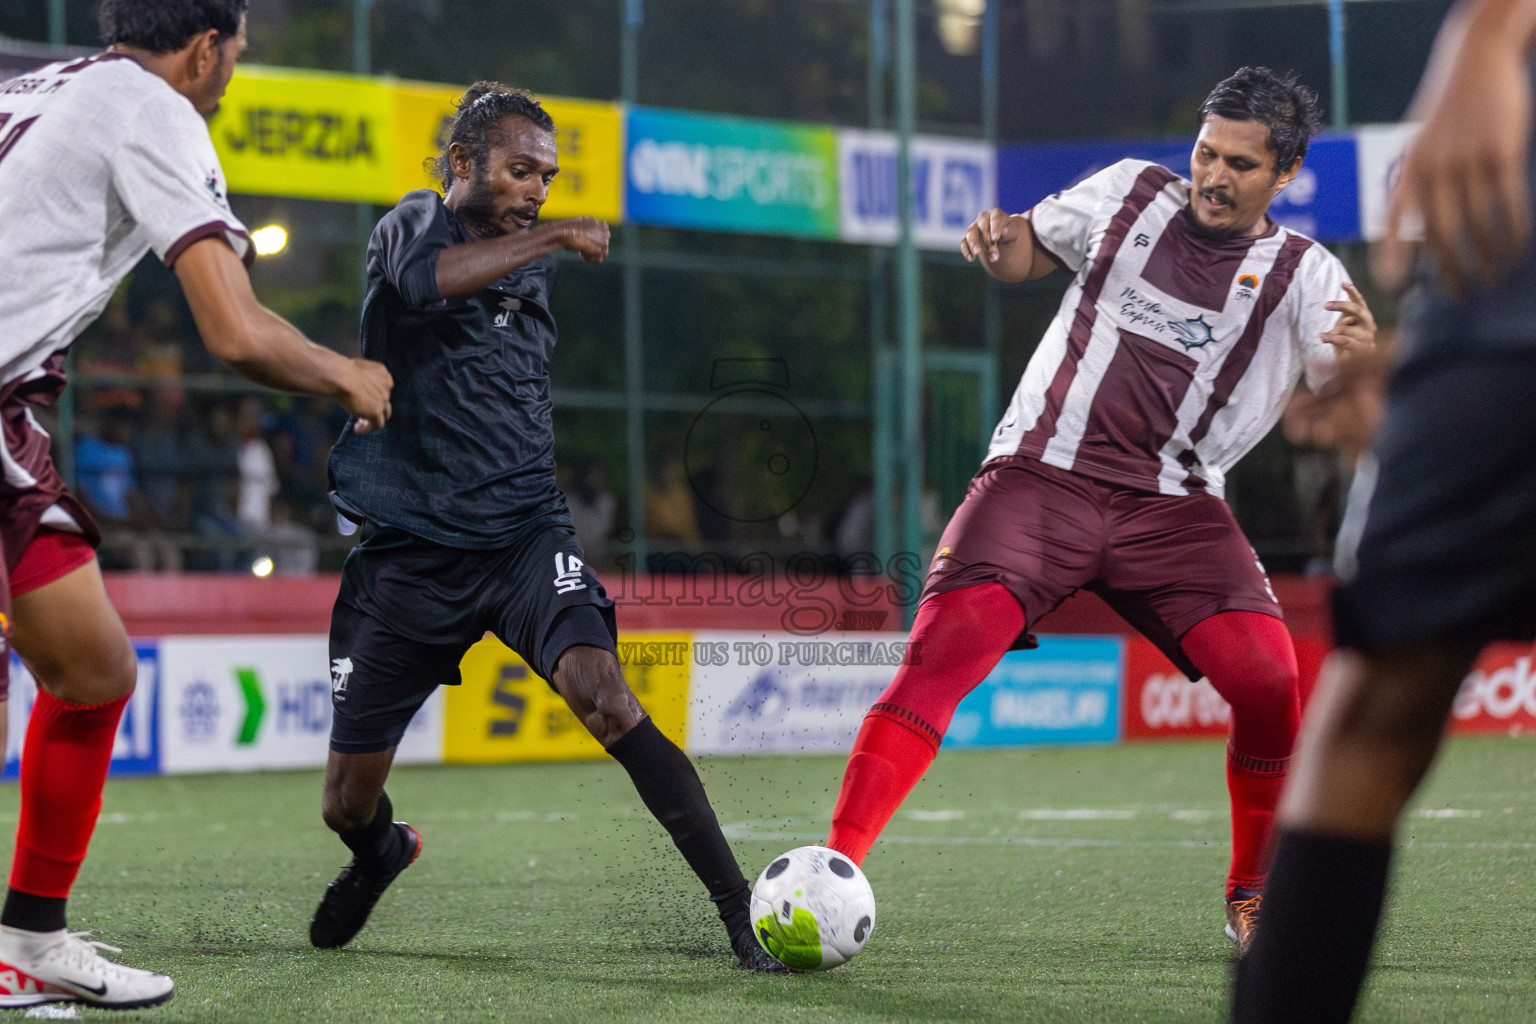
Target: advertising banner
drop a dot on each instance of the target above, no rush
(1499, 695)
(590, 137)
(241, 703)
(1381, 153)
(309, 134)
(952, 181)
(135, 751)
(319, 135)
(503, 712)
(756, 692)
(1067, 691)
(1323, 201)
(731, 174)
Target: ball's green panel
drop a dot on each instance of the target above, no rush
(797, 946)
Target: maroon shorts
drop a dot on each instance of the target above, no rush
(33, 498)
(1164, 562)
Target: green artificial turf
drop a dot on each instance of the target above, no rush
(1032, 885)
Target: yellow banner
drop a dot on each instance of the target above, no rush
(590, 137)
(503, 712)
(317, 135)
(307, 134)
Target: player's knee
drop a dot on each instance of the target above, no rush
(94, 677)
(614, 712)
(343, 812)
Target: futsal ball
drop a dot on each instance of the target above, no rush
(813, 909)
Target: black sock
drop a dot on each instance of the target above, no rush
(1321, 907)
(376, 840)
(33, 913)
(671, 790)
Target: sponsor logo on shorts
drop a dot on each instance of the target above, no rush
(568, 573)
(341, 668)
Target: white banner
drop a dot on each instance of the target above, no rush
(1380, 148)
(238, 703)
(755, 692)
(952, 181)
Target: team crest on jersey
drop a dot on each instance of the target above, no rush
(1246, 286)
(1194, 333)
(509, 305)
(215, 186)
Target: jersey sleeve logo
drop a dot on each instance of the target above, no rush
(215, 186)
(568, 573)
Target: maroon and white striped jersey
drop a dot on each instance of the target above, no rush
(1172, 354)
(100, 161)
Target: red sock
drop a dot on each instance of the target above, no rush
(957, 639)
(1250, 660)
(1254, 786)
(63, 767)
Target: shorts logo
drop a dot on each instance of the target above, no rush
(568, 573)
(341, 669)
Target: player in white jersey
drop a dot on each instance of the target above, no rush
(101, 161)
(1190, 319)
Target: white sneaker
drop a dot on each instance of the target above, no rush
(64, 966)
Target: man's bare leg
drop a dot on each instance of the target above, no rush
(1370, 735)
(592, 684)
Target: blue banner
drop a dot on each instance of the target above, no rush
(1323, 201)
(1067, 691)
(136, 751)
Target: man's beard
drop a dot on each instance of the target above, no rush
(477, 207)
(1206, 231)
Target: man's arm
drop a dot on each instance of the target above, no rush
(1005, 244)
(264, 347)
(463, 270)
(1464, 176)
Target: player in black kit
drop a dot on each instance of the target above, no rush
(464, 530)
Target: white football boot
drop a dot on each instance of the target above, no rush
(65, 967)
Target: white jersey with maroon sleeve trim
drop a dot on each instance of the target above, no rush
(1172, 354)
(100, 161)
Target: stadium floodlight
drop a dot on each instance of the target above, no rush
(269, 240)
(960, 25)
(262, 567)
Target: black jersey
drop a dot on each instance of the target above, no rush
(468, 458)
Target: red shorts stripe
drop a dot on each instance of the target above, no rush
(51, 556)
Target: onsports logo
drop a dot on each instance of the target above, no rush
(1173, 702)
(1503, 693)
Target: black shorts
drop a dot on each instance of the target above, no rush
(1439, 541)
(409, 609)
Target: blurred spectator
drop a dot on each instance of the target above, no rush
(159, 449)
(213, 457)
(104, 470)
(594, 509)
(301, 441)
(669, 513)
(855, 530)
(293, 548)
(258, 470)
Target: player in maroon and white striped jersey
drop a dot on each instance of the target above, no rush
(1190, 320)
(101, 161)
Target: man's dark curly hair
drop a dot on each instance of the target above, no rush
(1288, 109)
(165, 26)
(480, 110)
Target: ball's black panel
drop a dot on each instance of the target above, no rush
(841, 868)
(789, 911)
(861, 929)
(776, 868)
